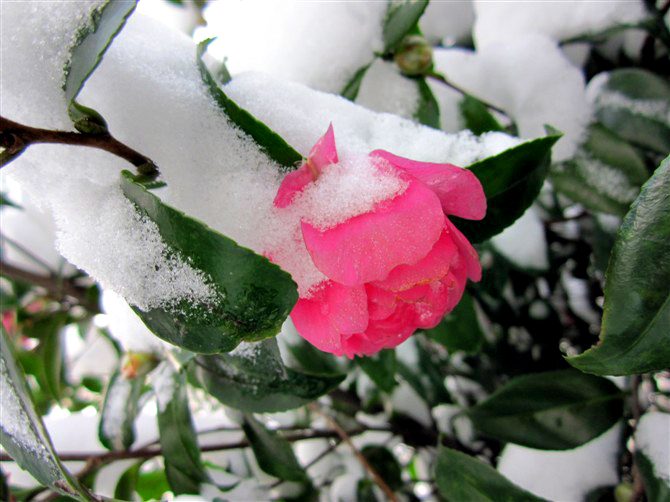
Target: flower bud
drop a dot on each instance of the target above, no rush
(136, 364)
(414, 56)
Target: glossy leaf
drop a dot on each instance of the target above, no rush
(605, 175)
(178, 439)
(253, 378)
(254, 295)
(656, 488)
(22, 433)
(350, 90)
(635, 104)
(116, 430)
(428, 111)
(460, 477)
(93, 39)
(380, 368)
(636, 312)
(401, 18)
(511, 181)
(273, 453)
(460, 329)
(476, 116)
(385, 464)
(554, 410)
(272, 144)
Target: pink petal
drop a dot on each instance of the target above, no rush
(367, 247)
(455, 284)
(431, 267)
(468, 253)
(459, 190)
(381, 303)
(322, 155)
(332, 311)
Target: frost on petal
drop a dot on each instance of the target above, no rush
(367, 247)
(458, 189)
(468, 253)
(334, 310)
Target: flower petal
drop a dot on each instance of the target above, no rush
(332, 311)
(291, 185)
(324, 152)
(467, 252)
(458, 189)
(367, 247)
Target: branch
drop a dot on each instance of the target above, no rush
(15, 138)
(442, 79)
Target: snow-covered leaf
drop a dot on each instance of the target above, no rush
(461, 477)
(91, 43)
(636, 313)
(554, 410)
(253, 378)
(119, 410)
(22, 433)
(511, 181)
(271, 143)
(401, 18)
(249, 297)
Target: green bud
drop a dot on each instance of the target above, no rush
(414, 56)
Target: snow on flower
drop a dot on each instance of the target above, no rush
(390, 259)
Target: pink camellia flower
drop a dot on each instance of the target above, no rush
(393, 269)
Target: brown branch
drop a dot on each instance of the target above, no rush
(379, 481)
(57, 287)
(15, 137)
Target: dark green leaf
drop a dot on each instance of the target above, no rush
(460, 477)
(605, 175)
(86, 53)
(274, 453)
(253, 378)
(656, 488)
(554, 410)
(350, 90)
(312, 360)
(477, 117)
(365, 491)
(635, 104)
(254, 295)
(428, 111)
(380, 368)
(385, 464)
(51, 353)
(511, 181)
(22, 433)
(274, 145)
(460, 330)
(127, 483)
(401, 18)
(117, 419)
(636, 313)
(179, 443)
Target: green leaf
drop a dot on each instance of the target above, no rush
(401, 18)
(511, 181)
(385, 464)
(49, 352)
(254, 296)
(254, 379)
(476, 116)
(310, 359)
(605, 175)
(273, 453)
(119, 410)
(380, 368)
(91, 42)
(460, 330)
(635, 104)
(656, 488)
(272, 144)
(428, 111)
(22, 433)
(6, 201)
(460, 477)
(350, 90)
(554, 410)
(127, 483)
(178, 439)
(636, 312)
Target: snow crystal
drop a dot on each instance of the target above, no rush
(384, 89)
(320, 44)
(530, 78)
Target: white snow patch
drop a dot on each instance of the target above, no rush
(563, 475)
(384, 89)
(162, 380)
(523, 243)
(447, 22)
(652, 437)
(115, 410)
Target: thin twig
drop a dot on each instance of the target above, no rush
(442, 79)
(379, 481)
(15, 137)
